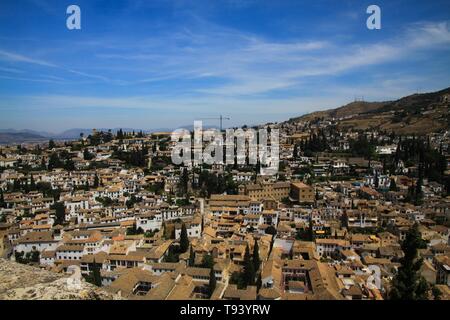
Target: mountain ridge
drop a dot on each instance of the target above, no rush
(416, 113)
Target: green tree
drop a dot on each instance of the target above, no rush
(256, 259)
(311, 229)
(344, 219)
(184, 240)
(418, 192)
(2, 200)
(34, 256)
(172, 256)
(258, 282)
(436, 293)
(96, 181)
(393, 186)
(295, 153)
(131, 231)
(60, 212)
(212, 281)
(191, 256)
(51, 144)
(184, 182)
(32, 183)
(249, 269)
(54, 161)
(96, 276)
(87, 155)
(69, 165)
(207, 261)
(408, 284)
(271, 230)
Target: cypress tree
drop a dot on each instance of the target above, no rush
(258, 282)
(212, 282)
(408, 284)
(295, 153)
(96, 276)
(249, 270)
(376, 180)
(191, 257)
(96, 181)
(2, 200)
(32, 183)
(184, 240)
(256, 260)
(418, 192)
(310, 229)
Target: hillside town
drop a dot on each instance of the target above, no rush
(349, 213)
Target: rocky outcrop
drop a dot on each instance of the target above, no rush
(23, 282)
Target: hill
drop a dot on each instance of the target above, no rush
(418, 113)
(20, 137)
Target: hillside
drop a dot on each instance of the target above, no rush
(417, 113)
(20, 137)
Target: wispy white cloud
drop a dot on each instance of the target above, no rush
(11, 70)
(49, 80)
(250, 65)
(229, 71)
(14, 57)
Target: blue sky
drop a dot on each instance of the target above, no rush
(155, 64)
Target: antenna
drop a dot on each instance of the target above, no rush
(221, 118)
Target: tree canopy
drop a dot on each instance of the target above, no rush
(408, 284)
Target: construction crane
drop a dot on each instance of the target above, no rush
(221, 118)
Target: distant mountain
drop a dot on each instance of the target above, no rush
(39, 133)
(20, 137)
(418, 113)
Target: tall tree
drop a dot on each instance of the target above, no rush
(295, 153)
(212, 281)
(249, 270)
(2, 200)
(310, 229)
(376, 180)
(60, 212)
(256, 259)
(184, 240)
(96, 276)
(258, 282)
(32, 183)
(54, 161)
(191, 257)
(96, 181)
(419, 183)
(184, 182)
(408, 284)
(393, 185)
(207, 261)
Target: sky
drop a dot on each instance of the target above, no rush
(163, 64)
